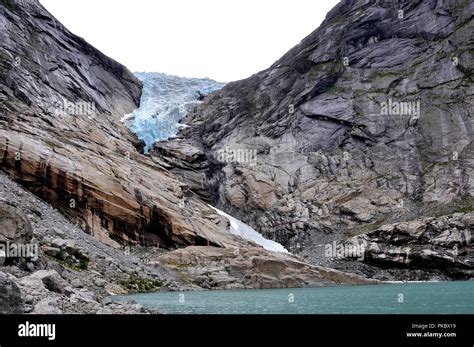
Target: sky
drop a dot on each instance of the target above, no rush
(225, 40)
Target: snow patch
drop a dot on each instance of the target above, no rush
(246, 232)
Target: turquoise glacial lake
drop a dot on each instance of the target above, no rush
(403, 298)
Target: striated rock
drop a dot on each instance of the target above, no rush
(251, 268)
(61, 136)
(187, 161)
(443, 244)
(368, 121)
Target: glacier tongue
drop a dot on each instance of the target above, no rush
(246, 232)
(165, 101)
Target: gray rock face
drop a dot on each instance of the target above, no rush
(316, 148)
(35, 46)
(62, 137)
(368, 121)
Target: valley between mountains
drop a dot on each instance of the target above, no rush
(113, 212)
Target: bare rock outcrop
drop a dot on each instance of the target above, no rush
(251, 268)
(441, 246)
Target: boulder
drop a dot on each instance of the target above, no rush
(59, 243)
(77, 283)
(51, 251)
(10, 296)
(14, 225)
(51, 280)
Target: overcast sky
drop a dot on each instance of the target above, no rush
(222, 39)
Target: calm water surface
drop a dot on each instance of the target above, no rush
(415, 298)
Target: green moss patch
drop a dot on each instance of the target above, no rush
(137, 284)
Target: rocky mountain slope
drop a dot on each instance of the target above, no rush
(367, 122)
(70, 271)
(61, 138)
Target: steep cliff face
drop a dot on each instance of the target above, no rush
(368, 121)
(42, 64)
(61, 136)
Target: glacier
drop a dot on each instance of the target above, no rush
(246, 232)
(165, 101)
